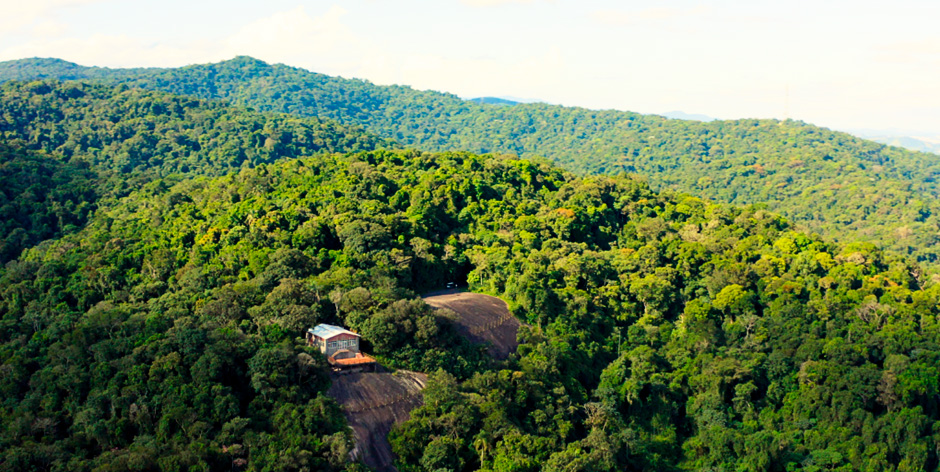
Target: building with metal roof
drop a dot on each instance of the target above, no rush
(340, 346)
(326, 331)
(331, 338)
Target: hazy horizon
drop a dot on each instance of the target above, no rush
(840, 65)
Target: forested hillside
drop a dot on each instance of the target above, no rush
(42, 197)
(130, 130)
(667, 332)
(41, 68)
(846, 188)
(67, 145)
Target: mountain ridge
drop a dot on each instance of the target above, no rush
(831, 182)
(60, 138)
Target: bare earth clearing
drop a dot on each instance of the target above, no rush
(374, 402)
(481, 318)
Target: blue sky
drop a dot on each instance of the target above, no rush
(840, 64)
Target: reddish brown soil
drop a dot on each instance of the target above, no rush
(374, 402)
(481, 318)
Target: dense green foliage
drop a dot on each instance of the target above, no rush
(676, 334)
(165, 335)
(843, 187)
(97, 141)
(41, 198)
(47, 68)
(129, 130)
(666, 332)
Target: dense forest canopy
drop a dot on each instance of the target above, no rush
(843, 187)
(667, 332)
(42, 197)
(163, 252)
(130, 130)
(64, 146)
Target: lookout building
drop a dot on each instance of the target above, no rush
(340, 346)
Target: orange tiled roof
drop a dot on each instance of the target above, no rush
(359, 359)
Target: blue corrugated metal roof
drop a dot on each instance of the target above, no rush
(326, 331)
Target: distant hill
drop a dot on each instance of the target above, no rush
(681, 115)
(51, 68)
(66, 145)
(133, 131)
(910, 142)
(834, 183)
(493, 101)
(915, 141)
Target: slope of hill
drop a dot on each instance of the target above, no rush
(69, 144)
(129, 130)
(41, 197)
(666, 332)
(681, 115)
(841, 186)
(374, 402)
(48, 68)
(908, 139)
(480, 318)
(914, 143)
(493, 101)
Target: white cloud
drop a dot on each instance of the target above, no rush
(113, 51)
(49, 28)
(911, 52)
(535, 76)
(617, 17)
(18, 15)
(294, 36)
(698, 62)
(496, 3)
(326, 44)
(321, 43)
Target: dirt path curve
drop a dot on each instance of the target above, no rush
(481, 318)
(373, 403)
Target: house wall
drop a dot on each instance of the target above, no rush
(340, 341)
